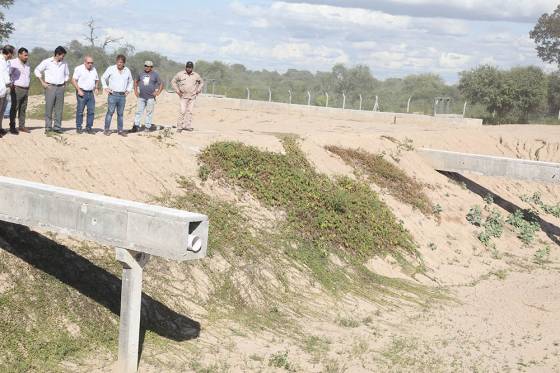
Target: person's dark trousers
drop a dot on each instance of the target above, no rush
(3, 104)
(87, 101)
(54, 104)
(117, 102)
(19, 106)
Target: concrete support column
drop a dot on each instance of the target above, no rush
(131, 301)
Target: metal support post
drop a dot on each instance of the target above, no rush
(465, 109)
(248, 94)
(290, 99)
(408, 105)
(376, 105)
(343, 101)
(308, 98)
(361, 100)
(269, 95)
(327, 103)
(131, 301)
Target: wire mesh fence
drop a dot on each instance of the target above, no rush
(368, 101)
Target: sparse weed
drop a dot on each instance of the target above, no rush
(437, 209)
(500, 274)
(280, 360)
(493, 225)
(333, 366)
(316, 345)
(526, 225)
(203, 172)
(488, 200)
(536, 200)
(347, 322)
(432, 246)
(474, 216)
(542, 255)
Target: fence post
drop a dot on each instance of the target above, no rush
(408, 105)
(465, 109)
(376, 105)
(269, 94)
(308, 98)
(248, 93)
(361, 102)
(327, 103)
(343, 101)
(290, 93)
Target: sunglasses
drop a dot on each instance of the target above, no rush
(89, 63)
(148, 66)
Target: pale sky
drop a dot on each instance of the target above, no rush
(394, 37)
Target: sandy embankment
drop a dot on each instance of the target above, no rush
(500, 323)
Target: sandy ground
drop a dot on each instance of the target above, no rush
(505, 317)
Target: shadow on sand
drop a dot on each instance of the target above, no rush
(92, 281)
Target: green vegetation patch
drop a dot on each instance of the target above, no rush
(43, 321)
(388, 176)
(526, 225)
(340, 213)
(536, 201)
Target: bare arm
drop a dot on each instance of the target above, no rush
(39, 73)
(78, 89)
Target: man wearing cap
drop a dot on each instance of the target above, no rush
(188, 85)
(147, 87)
(117, 82)
(56, 75)
(86, 82)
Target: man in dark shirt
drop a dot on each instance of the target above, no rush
(147, 86)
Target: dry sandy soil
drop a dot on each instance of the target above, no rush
(505, 310)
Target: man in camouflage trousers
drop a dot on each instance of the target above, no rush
(188, 85)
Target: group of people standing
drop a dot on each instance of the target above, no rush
(117, 82)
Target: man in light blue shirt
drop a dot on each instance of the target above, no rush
(118, 83)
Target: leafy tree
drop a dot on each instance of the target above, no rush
(488, 86)
(553, 93)
(508, 96)
(546, 35)
(6, 28)
(528, 90)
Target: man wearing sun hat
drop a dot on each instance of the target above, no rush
(188, 85)
(147, 86)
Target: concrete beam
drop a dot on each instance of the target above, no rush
(136, 230)
(522, 169)
(154, 230)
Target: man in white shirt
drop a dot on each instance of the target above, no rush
(86, 82)
(7, 54)
(56, 75)
(117, 82)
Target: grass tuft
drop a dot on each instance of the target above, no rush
(387, 176)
